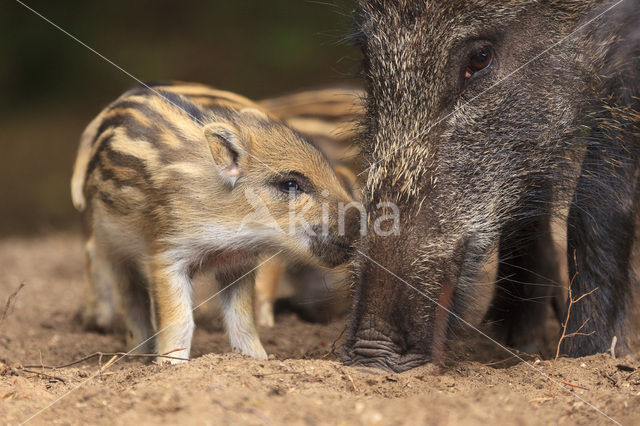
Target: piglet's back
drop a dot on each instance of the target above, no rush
(153, 131)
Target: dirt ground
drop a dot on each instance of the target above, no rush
(303, 384)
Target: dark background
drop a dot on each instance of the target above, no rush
(51, 86)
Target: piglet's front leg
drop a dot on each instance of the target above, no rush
(268, 278)
(237, 310)
(171, 291)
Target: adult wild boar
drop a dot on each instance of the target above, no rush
(486, 119)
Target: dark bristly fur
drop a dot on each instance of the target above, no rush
(490, 165)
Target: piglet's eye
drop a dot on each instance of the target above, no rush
(478, 62)
(289, 186)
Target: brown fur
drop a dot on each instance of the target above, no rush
(168, 187)
(328, 117)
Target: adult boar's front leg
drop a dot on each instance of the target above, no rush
(528, 285)
(600, 236)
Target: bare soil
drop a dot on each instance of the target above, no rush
(304, 383)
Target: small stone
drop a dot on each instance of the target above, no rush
(371, 417)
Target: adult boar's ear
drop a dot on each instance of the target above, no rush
(227, 149)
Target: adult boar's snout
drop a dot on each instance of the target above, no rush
(400, 320)
(385, 329)
(371, 349)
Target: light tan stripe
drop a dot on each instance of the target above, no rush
(143, 150)
(347, 96)
(196, 90)
(316, 126)
(133, 112)
(178, 118)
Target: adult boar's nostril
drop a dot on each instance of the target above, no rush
(372, 353)
(383, 355)
(374, 349)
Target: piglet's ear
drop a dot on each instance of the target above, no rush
(227, 150)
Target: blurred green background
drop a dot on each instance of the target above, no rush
(51, 86)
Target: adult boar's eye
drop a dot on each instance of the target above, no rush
(289, 186)
(478, 62)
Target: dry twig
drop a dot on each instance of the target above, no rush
(573, 385)
(263, 375)
(355, 388)
(47, 376)
(578, 332)
(488, 364)
(612, 349)
(333, 345)
(10, 301)
(111, 354)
